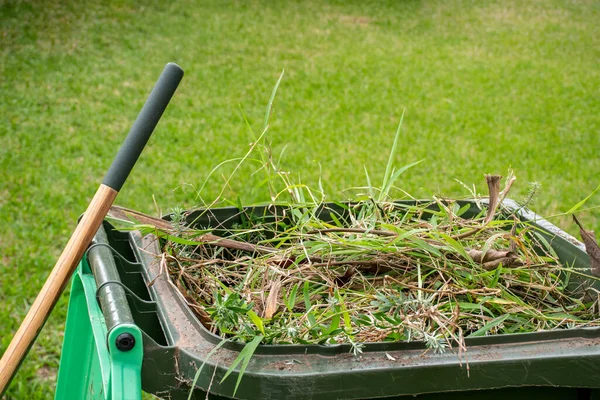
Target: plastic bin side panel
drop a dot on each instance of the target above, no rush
(83, 372)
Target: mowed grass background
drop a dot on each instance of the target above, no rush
(485, 85)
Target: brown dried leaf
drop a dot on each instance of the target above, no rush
(591, 247)
(490, 255)
(271, 304)
(493, 258)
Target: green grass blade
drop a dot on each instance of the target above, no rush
(475, 307)
(582, 202)
(197, 375)
(243, 358)
(496, 277)
(390, 162)
(271, 99)
(369, 185)
(395, 176)
(454, 244)
(256, 320)
(335, 323)
(493, 323)
(311, 318)
(291, 302)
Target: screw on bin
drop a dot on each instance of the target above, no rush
(125, 341)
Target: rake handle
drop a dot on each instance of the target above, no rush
(92, 218)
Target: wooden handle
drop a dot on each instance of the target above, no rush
(50, 293)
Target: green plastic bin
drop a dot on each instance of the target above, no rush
(562, 364)
(102, 352)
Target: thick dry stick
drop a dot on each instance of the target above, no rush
(355, 230)
(366, 263)
(493, 182)
(506, 262)
(479, 292)
(125, 214)
(210, 239)
(128, 215)
(468, 233)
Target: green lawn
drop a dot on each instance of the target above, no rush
(486, 86)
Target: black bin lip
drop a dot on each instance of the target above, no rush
(562, 346)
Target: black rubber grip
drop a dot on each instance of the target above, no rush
(143, 126)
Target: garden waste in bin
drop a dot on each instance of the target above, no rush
(123, 275)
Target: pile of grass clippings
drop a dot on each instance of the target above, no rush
(384, 272)
(380, 270)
